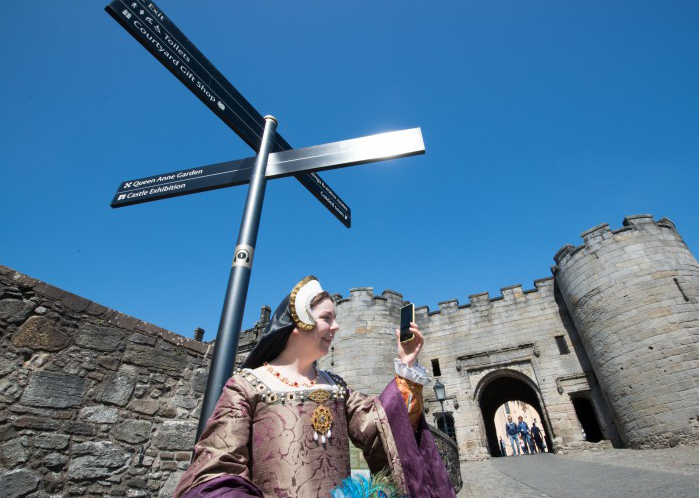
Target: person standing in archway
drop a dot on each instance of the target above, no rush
(536, 435)
(512, 432)
(523, 429)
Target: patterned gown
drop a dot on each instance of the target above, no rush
(260, 443)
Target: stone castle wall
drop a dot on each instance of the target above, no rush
(633, 294)
(92, 402)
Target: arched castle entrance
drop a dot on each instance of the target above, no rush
(508, 385)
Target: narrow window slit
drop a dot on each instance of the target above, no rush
(679, 287)
(435, 368)
(562, 345)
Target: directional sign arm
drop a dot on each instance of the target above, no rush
(280, 164)
(373, 148)
(148, 24)
(183, 182)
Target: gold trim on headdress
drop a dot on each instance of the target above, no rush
(300, 302)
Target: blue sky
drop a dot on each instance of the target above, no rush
(541, 119)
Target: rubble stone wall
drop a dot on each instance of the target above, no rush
(92, 402)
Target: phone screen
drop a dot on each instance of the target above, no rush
(407, 315)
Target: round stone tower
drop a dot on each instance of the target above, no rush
(633, 295)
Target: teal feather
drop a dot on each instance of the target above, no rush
(379, 486)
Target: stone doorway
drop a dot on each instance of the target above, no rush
(502, 388)
(588, 420)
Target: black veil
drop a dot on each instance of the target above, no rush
(274, 338)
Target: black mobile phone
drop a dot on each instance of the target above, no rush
(407, 315)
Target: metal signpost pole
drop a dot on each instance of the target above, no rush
(229, 327)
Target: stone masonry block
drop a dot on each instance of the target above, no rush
(48, 290)
(41, 333)
(175, 436)
(13, 453)
(96, 460)
(117, 389)
(132, 431)
(145, 406)
(17, 483)
(120, 320)
(149, 357)
(95, 309)
(15, 310)
(75, 303)
(52, 441)
(54, 390)
(99, 338)
(99, 414)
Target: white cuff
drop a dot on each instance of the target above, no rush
(415, 374)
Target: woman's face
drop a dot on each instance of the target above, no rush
(321, 337)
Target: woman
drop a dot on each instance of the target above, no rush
(281, 427)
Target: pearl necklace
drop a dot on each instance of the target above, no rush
(286, 381)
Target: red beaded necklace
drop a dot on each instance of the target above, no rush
(286, 381)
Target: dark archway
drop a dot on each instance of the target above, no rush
(586, 415)
(507, 388)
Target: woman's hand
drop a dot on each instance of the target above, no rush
(408, 351)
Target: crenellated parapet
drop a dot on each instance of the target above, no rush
(364, 297)
(366, 294)
(513, 295)
(601, 236)
(632, 293)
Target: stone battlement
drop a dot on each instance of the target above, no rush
(600, 235)
(367, 294)
(512, 294)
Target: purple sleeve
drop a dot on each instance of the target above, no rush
(225, 487)
(423, 470)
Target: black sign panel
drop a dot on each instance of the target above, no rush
(327, 196)
(183, 182)
(151, 28)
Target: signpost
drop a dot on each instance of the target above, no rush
(147, 23)
(275, 159)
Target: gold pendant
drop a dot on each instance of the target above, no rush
(321, 419)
